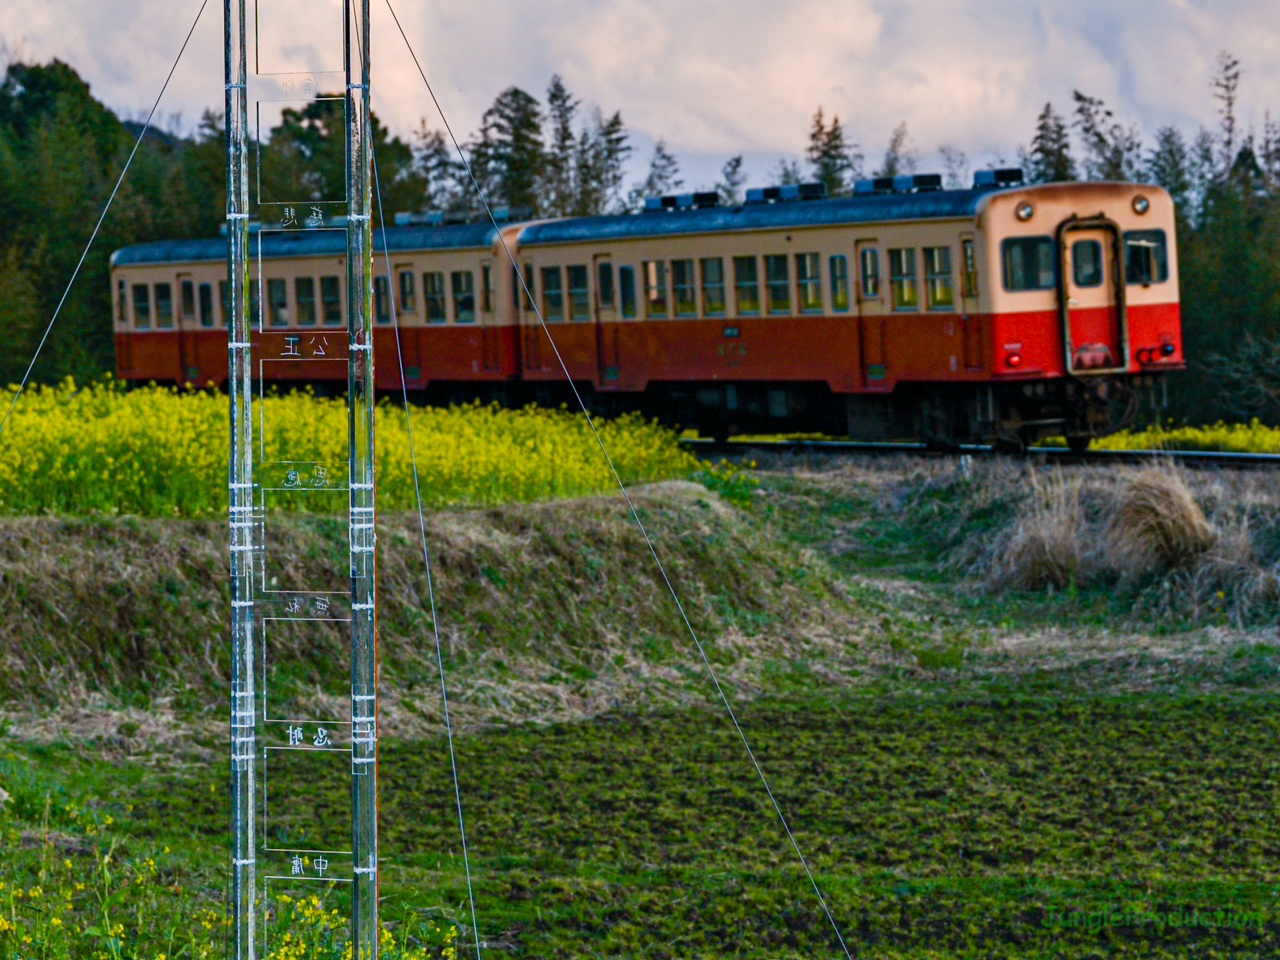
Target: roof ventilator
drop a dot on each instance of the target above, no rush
(682, 201)
(787, 192)
(995, 179)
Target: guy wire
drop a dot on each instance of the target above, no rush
(93, 236)
(622, 488)
(426, 555)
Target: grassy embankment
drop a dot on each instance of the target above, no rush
(985, 700)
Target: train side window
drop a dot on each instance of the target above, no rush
(331, 299)
(206, 305)
(870, 272)
(1086, 263)
(969, 289)
(552, 294)
(1146, 258)
(902, 279)
(655, 288)
(713, 286)
(840, 283)
(746, 282)
(142, 306)
(1028, 263)
(122, 302)
(278, 301)
(809, 282)
(164, 305)
(224, 297)
(381, 300)
(433, 296)
(579, 294)
(683, 291)
(604, 284)
(304, 294)
(776, 279)
(486, 289)
(939, 287)
(627, 290)
(188, 300)
(408, 294)
(464, 296)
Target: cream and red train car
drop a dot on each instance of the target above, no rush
(999, 314)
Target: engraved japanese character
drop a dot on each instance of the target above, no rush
(290, 218)
(317, 218)
(321, 739)
(320, 605)
(291, 347)
(296, 864)
(317, 348)
(294, 605)
(295, 736)
(291, 478)
(321, 865)
(320, 477)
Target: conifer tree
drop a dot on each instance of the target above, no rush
(832, 159)
(1049, 158)
(560, 191)
(899, 155)
(731, 180)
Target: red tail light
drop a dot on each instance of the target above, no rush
(1013, 359)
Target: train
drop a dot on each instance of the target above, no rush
(1001, 313)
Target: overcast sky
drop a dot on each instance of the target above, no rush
(714, 77)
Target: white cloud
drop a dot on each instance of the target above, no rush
(718, 77)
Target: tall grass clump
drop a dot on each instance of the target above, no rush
(157, 451)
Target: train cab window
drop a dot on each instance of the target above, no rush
(224, 298)
(331, 299)
(969, 280)
(1028, 263)
(840, 283)
(408, 292)
(188, 300)
(164, 305)
(655, 288)
(122, 302)
(381, 300)
(142, 306)
(870, 273)
(206, 305)
(627, 290)
(1146, 259)
(939, 287)
(464, 296)
(433, 296)
(775, 277)
(746, 283)
(902, 279)
(1086, 263)
(683, 289)
(278, 301)
(713, 286)
(486, 289)
(809, 282)
(579, 293)
(552, 294)
(604, 284)
(304, 295)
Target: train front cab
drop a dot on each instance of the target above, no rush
(1084, 312)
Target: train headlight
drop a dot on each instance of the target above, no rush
(1013, 359)
(1167, 349)
(1024, 211)
(1141, 205)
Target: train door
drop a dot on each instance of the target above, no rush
(969, 315)
(1091, 296)
(871, 313)
(529, 320)
(407, 313)
(186, 322)
(607, 317)
(488, 318)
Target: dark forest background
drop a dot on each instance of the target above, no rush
(61, 152)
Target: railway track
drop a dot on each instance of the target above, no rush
(707, 447)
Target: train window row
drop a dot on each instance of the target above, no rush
(1028, 262)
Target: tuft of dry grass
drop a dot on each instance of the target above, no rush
(1156, 524)
(1045, 546)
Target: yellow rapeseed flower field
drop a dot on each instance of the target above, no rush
(1252, 437)
(158, 451)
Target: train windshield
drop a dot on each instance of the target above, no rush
(1146, 258)
(1028, 263)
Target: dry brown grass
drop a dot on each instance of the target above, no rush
(1046, 545)
(1155, 524)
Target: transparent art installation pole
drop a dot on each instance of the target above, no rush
(360, 407)
(241, 495)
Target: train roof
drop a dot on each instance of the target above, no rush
(308, 243)
(928, 205)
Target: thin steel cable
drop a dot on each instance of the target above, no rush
(715, 680)
(426, 555)
(98, 226)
